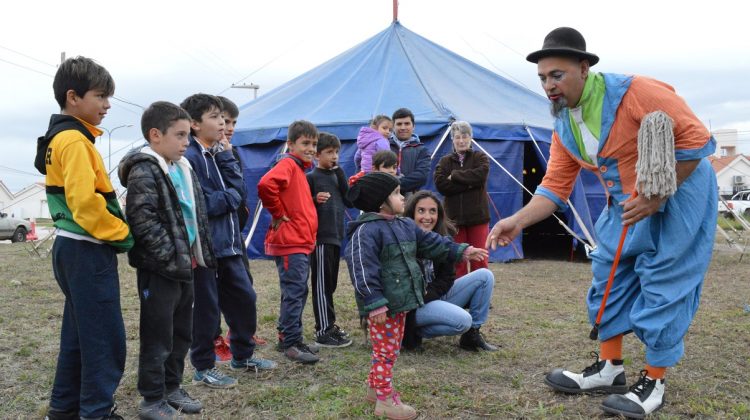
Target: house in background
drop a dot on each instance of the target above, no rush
(30, 202)
(732, 173)
(5, 196)
(726, 142)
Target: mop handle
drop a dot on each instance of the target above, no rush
(595, 331)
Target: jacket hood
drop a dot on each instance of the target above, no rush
(413, 141)
(368, 136)
(365, 218)
(144, 154)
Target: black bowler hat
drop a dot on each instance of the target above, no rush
(563, 42)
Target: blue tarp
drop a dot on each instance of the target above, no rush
(398, 68)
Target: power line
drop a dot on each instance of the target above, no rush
(263, 66)
(18, 171)
(28, 56)
(26, 68)
(493, 64)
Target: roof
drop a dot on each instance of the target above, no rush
(395, 68)
(725, 162)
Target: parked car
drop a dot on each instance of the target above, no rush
(740, 203)
(13, 229)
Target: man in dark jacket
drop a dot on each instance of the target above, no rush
(413, 158)
(167, 217)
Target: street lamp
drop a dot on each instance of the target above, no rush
(109, 139)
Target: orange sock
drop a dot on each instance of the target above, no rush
(655, 372)
(611, 349)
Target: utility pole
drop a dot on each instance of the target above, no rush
(62, 57)
(109, 139)
(252, 86)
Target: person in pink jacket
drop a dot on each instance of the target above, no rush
(371, 140)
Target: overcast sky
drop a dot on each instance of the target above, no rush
(167, 50)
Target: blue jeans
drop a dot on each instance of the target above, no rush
(446, 317)
(293, 270)
(227, 290)
(92, 340)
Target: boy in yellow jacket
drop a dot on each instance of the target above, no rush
(91, 231)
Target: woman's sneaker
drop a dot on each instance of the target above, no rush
(213, 378)
(602, 376)
(181, 400)
(644, 397)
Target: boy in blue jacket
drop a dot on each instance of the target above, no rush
(228, 288)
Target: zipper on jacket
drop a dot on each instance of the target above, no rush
(231, 219)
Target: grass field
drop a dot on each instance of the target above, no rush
(538, 317)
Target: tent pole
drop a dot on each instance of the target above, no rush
(564, 226)
(395, 10)
(576, 216)
(258, 209)
(440, 143)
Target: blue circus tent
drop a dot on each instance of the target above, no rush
(398, 68)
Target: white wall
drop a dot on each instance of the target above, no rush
(31, 202)
(739, 167)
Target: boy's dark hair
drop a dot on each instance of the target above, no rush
(200, 103)
(384, 159)
(301, 128)
(403, 113)
(82, 75)
(229, 107)
(161, 115)
(326, 140)
(375, 122)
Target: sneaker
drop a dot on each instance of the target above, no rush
(602, 376)
(644, 397)
(251, 363)
(393, 408)
(112, 415)
(55, 414)
(331, 338)
(213, 378)
(339, 332)
(313, 347)
(299, 352)
(222, 351)
(158, 410)
(181, 400)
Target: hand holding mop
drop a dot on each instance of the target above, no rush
(656, 176)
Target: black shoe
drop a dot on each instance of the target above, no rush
(336, 330)
(606, 376)
(644, 397)
(473, 340)
(299, 352)
(112, 415)
(331, 338)
(55, 414)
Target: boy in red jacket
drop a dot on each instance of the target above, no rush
(290, 239)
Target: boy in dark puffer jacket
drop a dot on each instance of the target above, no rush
(167, 214)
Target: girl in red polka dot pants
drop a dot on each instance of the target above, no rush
(382, 259)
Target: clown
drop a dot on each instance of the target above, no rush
(668, 246)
